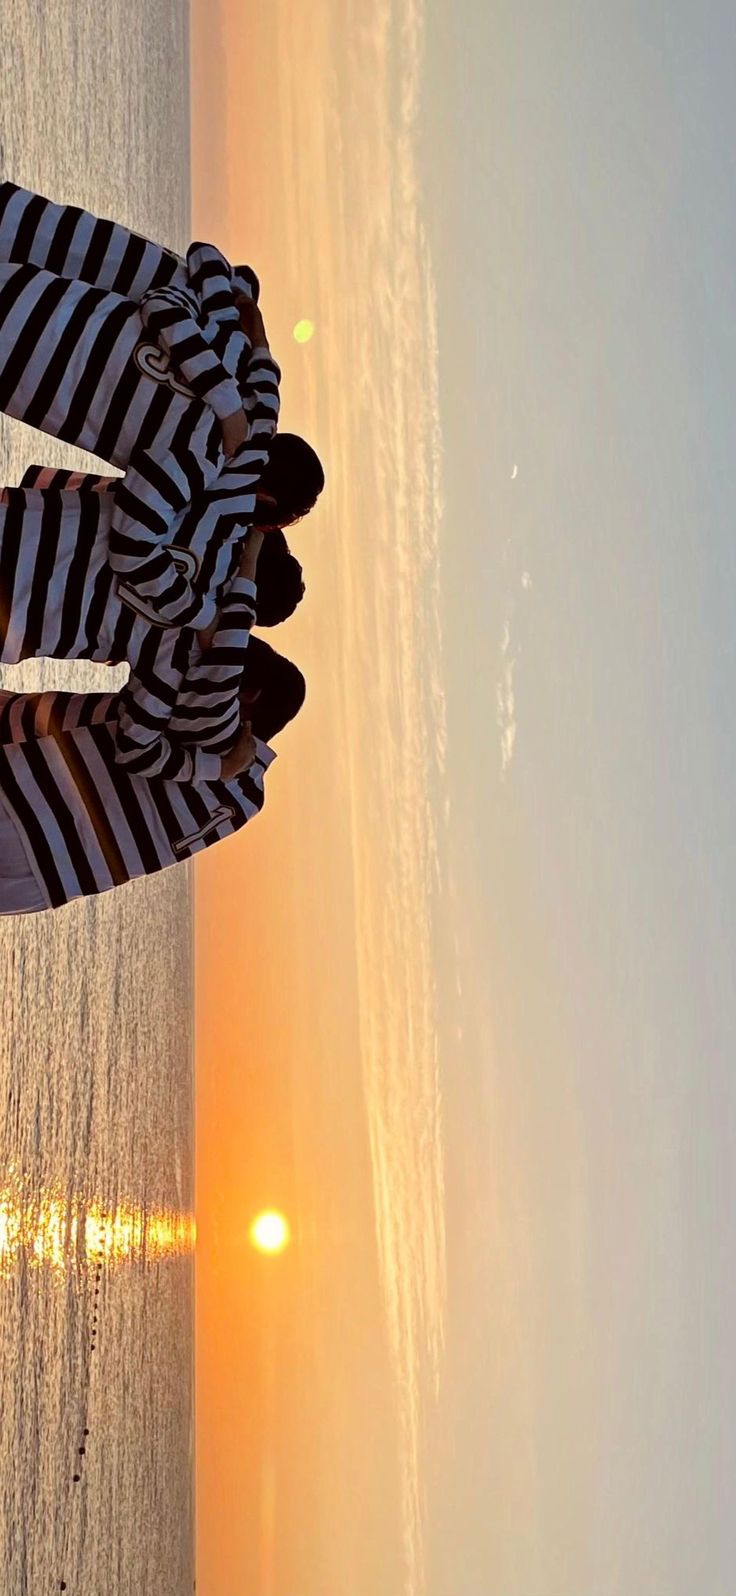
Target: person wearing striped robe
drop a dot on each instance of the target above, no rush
(71, 242)
(140, 385)
(58, 599)
(280, 575)
(74, 824)
(59, 595)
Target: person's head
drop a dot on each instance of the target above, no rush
(279, 582)
(273, 690)
(293, 476)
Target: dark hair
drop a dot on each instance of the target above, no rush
(293, 475)
(279, 581)
(279, 684)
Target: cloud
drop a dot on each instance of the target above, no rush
(506, 701)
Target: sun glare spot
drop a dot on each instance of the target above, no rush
(270, 1232)
(303, 331)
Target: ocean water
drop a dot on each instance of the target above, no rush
(96, 1100)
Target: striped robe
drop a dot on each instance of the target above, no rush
(86, 824)
(71, 242)
(206, 538)
(59, 599)
(143, 386)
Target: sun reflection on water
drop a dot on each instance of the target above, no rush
(65, 1230)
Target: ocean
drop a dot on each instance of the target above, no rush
(96, 1067)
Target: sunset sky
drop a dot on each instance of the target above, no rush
(465, 999)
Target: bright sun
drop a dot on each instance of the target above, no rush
(270, 1232)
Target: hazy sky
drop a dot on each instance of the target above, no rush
(471, 1016)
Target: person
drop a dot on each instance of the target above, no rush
(74, 824)
(72, 243)
(281, 584)
(59, 599)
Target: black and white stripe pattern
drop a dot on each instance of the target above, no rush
(206, 539)
(177, 449)
(134, 383)
(72, 243)
(68, 367)
(87, 825)
(179, 712)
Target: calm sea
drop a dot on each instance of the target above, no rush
(96, 1131)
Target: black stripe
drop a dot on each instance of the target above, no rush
(127, 791)
(46, 553)
(224, 528)
(86, 786)
(7, 190)
(15, 358)
(57, 715)
(32, 474)
(122, 634)
(88, 705)
(165, 270)
(28, 714)
(94, 372)
(34, 832)
(248, 787)
(61, 242)
(44, 779)
(146, 665)
(223, 301)
(10, 543)
(127, 390)
(96, 251)
(248, 276)
(169, 818)
(6, 709)
(77, 584)
(187, 455)
(96, 609)
(160, 480)
(145, 718)
(130, 504)
(207, 269)
(156, 414)
(200, 811)
(28, 227)
(130, 265)
(52, 377)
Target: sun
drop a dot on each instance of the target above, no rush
(270, 1232)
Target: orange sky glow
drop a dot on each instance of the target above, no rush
(262, 1020)
(306, 1470)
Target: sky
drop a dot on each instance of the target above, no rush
(465, 997)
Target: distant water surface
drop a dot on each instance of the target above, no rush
(96, 1132)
